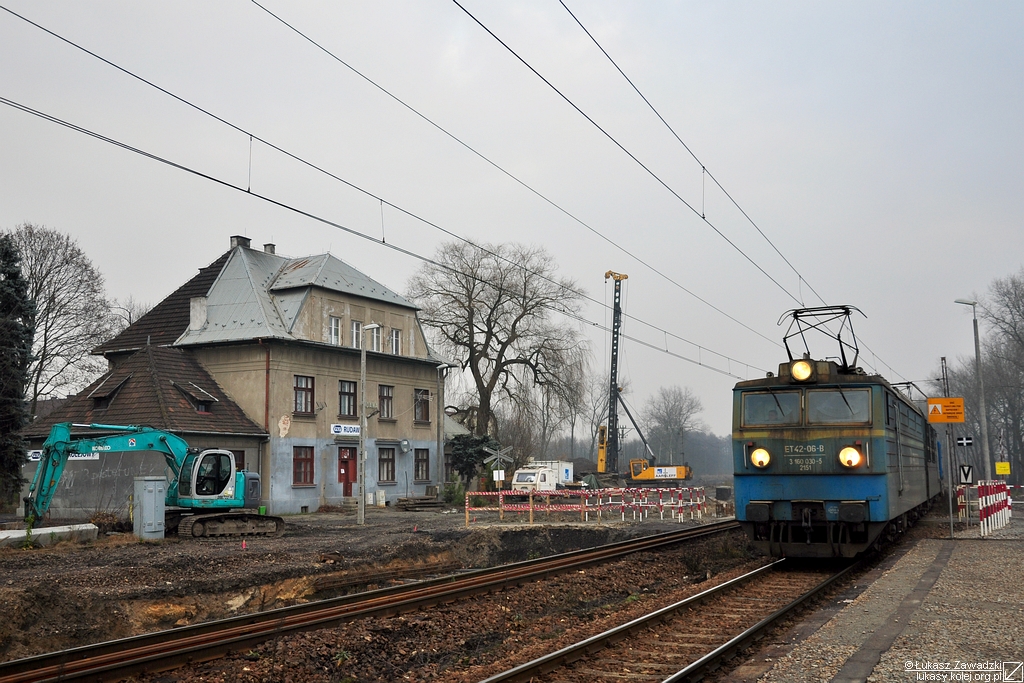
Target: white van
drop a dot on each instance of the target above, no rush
(535, 478)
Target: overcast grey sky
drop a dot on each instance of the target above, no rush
(878, 145)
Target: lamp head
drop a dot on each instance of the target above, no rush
(371, 326)
(966, 302)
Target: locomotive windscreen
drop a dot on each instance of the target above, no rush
(775, 407)
(832, 406)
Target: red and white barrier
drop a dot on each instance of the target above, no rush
(993, 506)
(961, 502)
(640, 502)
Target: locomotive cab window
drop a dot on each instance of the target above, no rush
(771, 408)
(834, 406)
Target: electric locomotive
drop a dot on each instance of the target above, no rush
(828, 459)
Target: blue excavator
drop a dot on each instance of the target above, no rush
(206, 494)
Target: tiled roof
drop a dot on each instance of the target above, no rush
(158, 387)
(260, 295)
(168, 319)
(332, 273)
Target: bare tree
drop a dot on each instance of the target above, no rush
(72, 313)
(668, 415)
(501, 313)
(1004, 309)
(124, 312)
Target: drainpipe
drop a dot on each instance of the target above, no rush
(442, 375)
(265, 461)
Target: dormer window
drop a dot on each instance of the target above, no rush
(103, 394)
(200, 399)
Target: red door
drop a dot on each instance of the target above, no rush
(346, 468)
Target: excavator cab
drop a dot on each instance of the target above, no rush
(636, 467)
(210, 473)
(213, 474)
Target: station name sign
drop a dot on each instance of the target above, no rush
(344, 430)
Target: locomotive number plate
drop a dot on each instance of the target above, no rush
(802, 448)
(806, 464)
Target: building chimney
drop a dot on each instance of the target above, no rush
(270, 248)
(196, 313)
(239, 241)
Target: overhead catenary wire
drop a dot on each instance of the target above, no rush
(628, 153)
(513, 177)
(288, 207)
(801, 280)
(368, 193)
(383, 201)
(252, 136)
(703, 169)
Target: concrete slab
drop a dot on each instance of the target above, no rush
(49, 535)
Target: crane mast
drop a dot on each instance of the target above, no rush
(612, 447)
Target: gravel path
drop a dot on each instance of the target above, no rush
(972, 615)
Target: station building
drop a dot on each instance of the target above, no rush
(261, 354)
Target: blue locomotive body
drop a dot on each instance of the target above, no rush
(828, 461)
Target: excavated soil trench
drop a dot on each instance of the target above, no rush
(67, 596)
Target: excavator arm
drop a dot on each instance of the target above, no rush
(59, 445)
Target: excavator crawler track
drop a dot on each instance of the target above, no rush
(230, 524)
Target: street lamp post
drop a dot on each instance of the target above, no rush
(361, 469)
(981, 388)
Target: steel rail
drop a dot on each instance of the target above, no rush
(167, 649)
(711, 661)
(693, 672)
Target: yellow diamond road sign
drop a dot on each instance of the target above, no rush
(945, 410)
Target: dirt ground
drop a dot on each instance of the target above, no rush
(74, 594)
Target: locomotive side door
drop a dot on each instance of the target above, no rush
(897, 418)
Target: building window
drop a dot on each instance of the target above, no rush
(386, 396)
(346, 399)
(375, 337)
(421, 405)
(303, 394)
(422, 469)
(386, 468)
(357, 334)
(334, 336)
(302, 466)
(239, 459)
(396, 342)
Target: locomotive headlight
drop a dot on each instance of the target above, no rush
(850, 457)
(760, 457)
(801, 370)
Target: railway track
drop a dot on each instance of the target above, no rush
(684, 641)
(115, 660)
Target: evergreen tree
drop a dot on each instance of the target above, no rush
(467, 454)
(17, 318)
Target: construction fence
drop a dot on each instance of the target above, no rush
(591, 504)
(991, 505)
